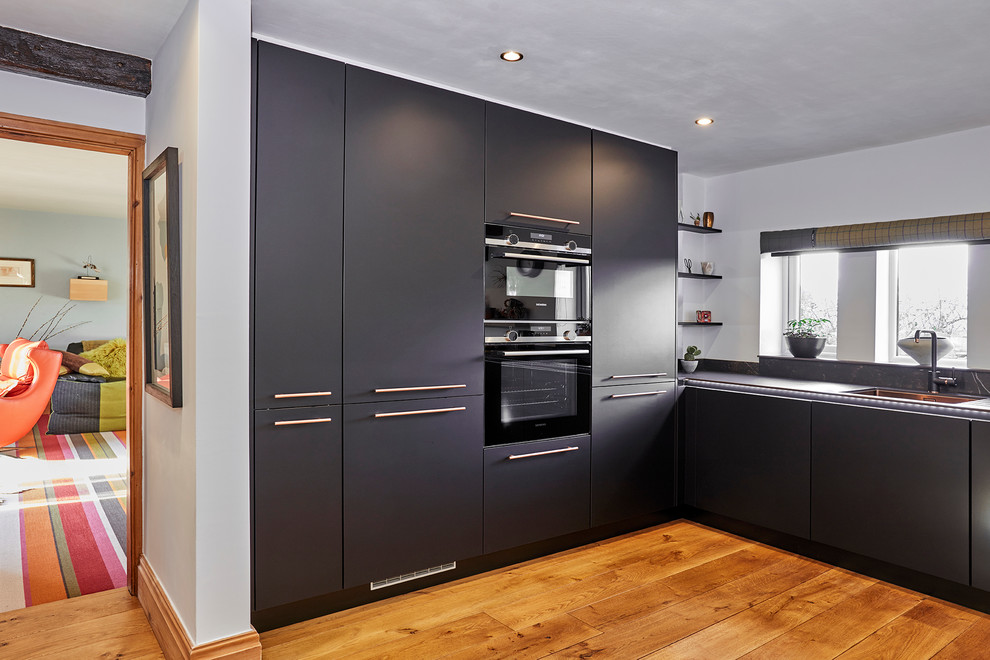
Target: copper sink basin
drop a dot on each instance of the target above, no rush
(914, 396)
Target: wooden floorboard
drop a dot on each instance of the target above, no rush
(110, 624)
(679, 590)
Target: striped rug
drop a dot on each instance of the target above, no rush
(63, 519)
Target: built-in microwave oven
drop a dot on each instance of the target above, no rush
(536, 275)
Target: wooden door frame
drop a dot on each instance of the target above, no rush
(75, 136)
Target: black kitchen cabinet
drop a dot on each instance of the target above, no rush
(413, 260)
(635, 254)
(748, 457)
(536, 491)
(298, 228)
(412, 486)
(536, 165)
(633, 451)
(297, 539)
(894, 486)
(981, 504)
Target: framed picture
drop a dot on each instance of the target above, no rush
(16, 272)
(162, 282)
(704, 316)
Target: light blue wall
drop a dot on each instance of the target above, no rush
(59, 245)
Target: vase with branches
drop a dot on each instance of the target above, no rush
(50, 327)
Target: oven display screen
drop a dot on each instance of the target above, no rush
(541, 237)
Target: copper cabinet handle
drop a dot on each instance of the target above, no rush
(420, 412)
(623, 396)
(513, 457)
(381, 390)
(294, 395)
(289, 422)
(543, 217)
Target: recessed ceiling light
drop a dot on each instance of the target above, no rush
(704, 121)
(511, 56)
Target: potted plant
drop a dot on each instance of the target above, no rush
(806, 336)
(690, 361)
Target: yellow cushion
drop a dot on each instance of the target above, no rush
(62, 370)
(94, 369)
(112, 355)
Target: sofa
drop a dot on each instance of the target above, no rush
(88, 403)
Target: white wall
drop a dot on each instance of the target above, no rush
(59, 101)
(693, 295)
(59, 244)
(170, 435)
(197, 527)
(936, 176)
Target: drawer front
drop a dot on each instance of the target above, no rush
(412, 486)
(536, 490)
(297, 504)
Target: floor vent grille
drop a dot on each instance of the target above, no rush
(388, 582)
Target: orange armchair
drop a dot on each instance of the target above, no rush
(19, 413)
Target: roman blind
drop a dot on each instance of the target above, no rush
(965, 228)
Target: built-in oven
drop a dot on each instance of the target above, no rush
(537, 380)
(536, 275)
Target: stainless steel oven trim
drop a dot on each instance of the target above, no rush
(550, 353)
(538, 340)
(553, 259)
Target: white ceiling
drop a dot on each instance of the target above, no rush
(40, 177)
(784, 79)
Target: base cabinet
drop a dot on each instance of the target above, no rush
(893, 486)
(297, 504)
(536, 491)
(412, 486)
(633, 451)
(748, 457)
(981, 504)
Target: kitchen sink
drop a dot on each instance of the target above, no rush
(914, 396)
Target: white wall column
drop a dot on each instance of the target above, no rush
(979, 307)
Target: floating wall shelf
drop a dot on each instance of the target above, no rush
(696, 323)
(681, 226)
(699, 276)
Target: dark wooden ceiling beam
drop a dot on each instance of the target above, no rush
(44, 57)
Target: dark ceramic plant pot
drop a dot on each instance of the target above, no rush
(805, 347)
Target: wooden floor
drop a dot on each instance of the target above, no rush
(679, 590)
(110, 624)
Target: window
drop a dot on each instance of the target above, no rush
(931, 293)
(817, 293)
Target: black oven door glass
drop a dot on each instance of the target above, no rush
(533, 397)
(535, 289)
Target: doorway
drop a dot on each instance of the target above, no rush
(131, 147)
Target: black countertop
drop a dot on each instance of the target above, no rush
(831, 392)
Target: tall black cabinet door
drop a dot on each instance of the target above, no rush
(537, 166)
(981, 504)
(748, 457)
(633, 451)
(412, 486)
(298, 218)
(635, 209)
(413, 257)
(894, 486)
(297, 504)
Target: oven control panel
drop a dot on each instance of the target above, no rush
(536, 332)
